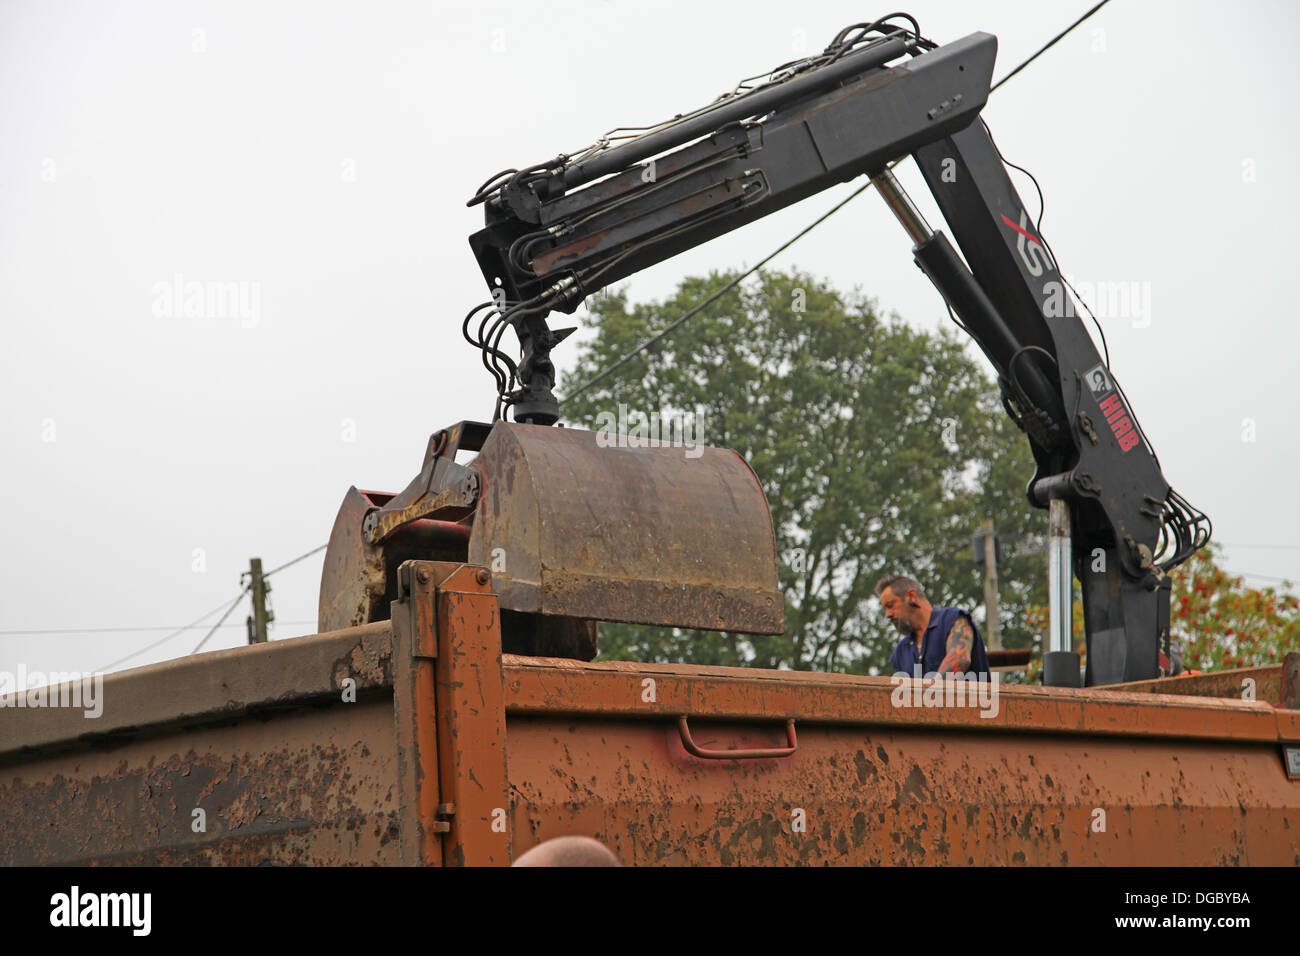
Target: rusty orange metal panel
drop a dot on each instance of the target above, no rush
(869, 795)
(1052, 776)
(471, 722)
(219, 685)
(294, 753)
(1264, 683)
(551, 686)
(415, 712)
(285, 747)
(311, 786)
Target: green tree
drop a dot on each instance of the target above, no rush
(880, 447)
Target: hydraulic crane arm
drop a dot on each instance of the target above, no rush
(559, 231)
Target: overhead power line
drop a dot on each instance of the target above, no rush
(198, 622)
(721, 292)
(1048, 45)
(799, 235)
(19, 632)
(1262, 577)
(300, 557)
(161, 640)
(233, 604)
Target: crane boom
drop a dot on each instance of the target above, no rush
(561, 230)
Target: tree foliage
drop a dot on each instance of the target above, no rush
(880, 447)
(1220, 623)
(1216, 622)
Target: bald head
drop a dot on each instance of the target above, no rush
(569, 851)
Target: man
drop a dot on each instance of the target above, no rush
(943, 640)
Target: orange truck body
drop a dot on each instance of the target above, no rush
(415, 741)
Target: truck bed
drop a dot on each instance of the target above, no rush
(448, 752)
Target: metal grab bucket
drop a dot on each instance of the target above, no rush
(669, 535)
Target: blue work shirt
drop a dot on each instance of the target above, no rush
(934, 645)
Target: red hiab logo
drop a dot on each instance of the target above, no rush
(1121, 425)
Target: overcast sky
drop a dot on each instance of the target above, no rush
(320, 155)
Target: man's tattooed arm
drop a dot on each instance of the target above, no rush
(961, 640)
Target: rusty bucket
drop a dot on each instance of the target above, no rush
(577, 524)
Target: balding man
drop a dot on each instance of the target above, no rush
(937, 640)
(569, 851)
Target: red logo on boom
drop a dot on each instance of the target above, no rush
(1120, 424)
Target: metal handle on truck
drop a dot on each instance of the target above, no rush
(693, 748)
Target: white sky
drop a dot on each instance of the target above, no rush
(321, 153)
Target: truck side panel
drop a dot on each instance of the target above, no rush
(349, 747)
(868, 796)
(287, 748)
(311, 787)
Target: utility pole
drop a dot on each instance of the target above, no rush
(261, 615)
(987, 553)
